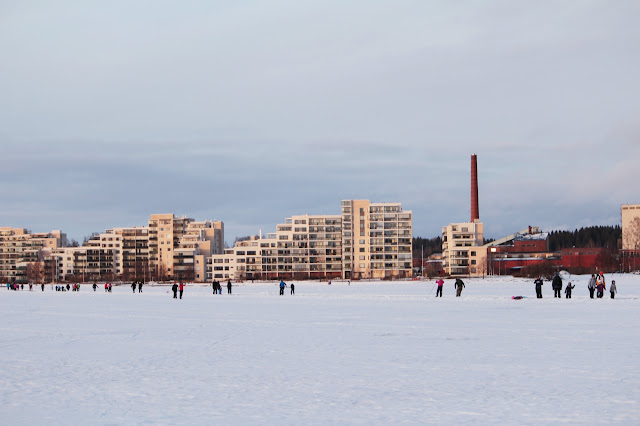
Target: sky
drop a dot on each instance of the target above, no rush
(251, 111)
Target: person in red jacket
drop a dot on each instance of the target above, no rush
(440, 283)
(181, 288)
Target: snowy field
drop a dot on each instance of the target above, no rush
(365, 353)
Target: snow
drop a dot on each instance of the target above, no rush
(365, 353)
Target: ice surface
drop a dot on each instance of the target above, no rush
(365, 353)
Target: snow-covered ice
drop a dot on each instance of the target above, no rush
(365, 353)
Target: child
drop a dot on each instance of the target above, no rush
(567, 290)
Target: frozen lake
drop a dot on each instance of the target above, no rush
(365, 353)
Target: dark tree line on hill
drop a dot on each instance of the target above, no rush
(430, 245)
(592, 236)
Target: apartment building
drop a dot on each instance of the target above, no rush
(303, 247)
(179, 247)
(19, 248)
(630, 253)
(462, 247)
(376, 240)
(326, 247)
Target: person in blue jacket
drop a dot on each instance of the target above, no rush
(282, 286)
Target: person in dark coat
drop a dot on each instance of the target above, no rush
(613, 289)
(592, 285)
(42, 286)
(567, 290)
(140, 286)
(556, 285)
(229, 287)
(175, 290)
(214, 287)
(133, 286)
(538, 282)
(459, 285)
(293, 290)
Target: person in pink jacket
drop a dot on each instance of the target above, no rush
(440, 283)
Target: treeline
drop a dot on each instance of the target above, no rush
(591, 236)
(430, 246)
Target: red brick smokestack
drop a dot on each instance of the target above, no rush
(475, 209)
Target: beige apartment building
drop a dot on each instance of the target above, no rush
(376, 240)
(179, 247)
(630, 253)
(630, 226)
(19, 248)
(463, 249)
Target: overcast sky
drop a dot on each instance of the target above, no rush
(252, 111)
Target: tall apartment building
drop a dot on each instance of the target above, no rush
(175, 242)
(630, 231)
(376, 240)
(630, 253)
(19, 247)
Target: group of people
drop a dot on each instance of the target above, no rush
(175, 287)
(138, 284)
(459, 285)
(16, 286)
(217, 287)
(73, 287)
(596, 283)
(283, 285)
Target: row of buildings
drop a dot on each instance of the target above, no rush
(366, 240)
(464, 251)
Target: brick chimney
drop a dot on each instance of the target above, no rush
(475, 209)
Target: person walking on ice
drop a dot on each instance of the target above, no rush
(440, 283)
(567, 291)
(459, 285)
(613, 289)
(293, 289)
(282, 286)
(600, 284)
(174, 288)
(592, 285)
(556, 285)
(538, 282)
